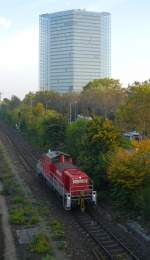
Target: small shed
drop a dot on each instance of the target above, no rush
(133, 135)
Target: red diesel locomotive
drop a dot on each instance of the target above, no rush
(67, 179)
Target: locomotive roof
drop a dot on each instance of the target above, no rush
(63, 166)
(54, 154)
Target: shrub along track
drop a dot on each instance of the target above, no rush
(101, 242)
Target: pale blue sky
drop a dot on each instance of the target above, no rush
(130, 31)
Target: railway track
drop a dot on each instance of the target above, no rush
(103, 244)
(27, 156)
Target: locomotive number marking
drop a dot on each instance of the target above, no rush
(77, 181)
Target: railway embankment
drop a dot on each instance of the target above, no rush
(7, 243)
(25, 234)
(66, 238)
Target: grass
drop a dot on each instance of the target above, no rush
(61, 245)
(57, 230)
(24, 210)
(43, 209)
(48, 257)
(21, 212)
(8, 186)
(41, 245)
(11, 187)
(18, 200)
(24, 216)
(5, 176)
(4, 168)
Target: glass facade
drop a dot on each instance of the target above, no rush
(74, 49)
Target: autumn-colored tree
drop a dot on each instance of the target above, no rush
(129, 172)
(130, 169)
(39, 109)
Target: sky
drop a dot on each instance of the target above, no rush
(130, 44)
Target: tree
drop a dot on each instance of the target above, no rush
(130, 169)
(101, 97)
(105, 83)
(99, 139)
(74, 137)
(14, 102)
(39, 109)
(54, 131)
(129, 173)
(135, 112)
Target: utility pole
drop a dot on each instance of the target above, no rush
(70, 113)
(31, 103)
(75, 110)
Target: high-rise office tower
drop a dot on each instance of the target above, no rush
(74, 49)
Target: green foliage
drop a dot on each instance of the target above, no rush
(57, 230)
(18, 199)
(102, 97)
(103, 84)
(125, 143)
(39, 109)
(146, 203)
(120, 197)
(131, 168)
(40, 244)
(55, 126)
(24, 216)
(43, 126)
(135, 112)
(74, 137)
(100, 138)
(48, 257)
(9, 184)
(129, 172)
(94, 143)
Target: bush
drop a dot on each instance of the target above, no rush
(129, 173)
(40, 244)
(146, 203)
(25, 216)
(57, 229)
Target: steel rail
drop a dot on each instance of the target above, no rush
(113, 236)
(98, 237)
